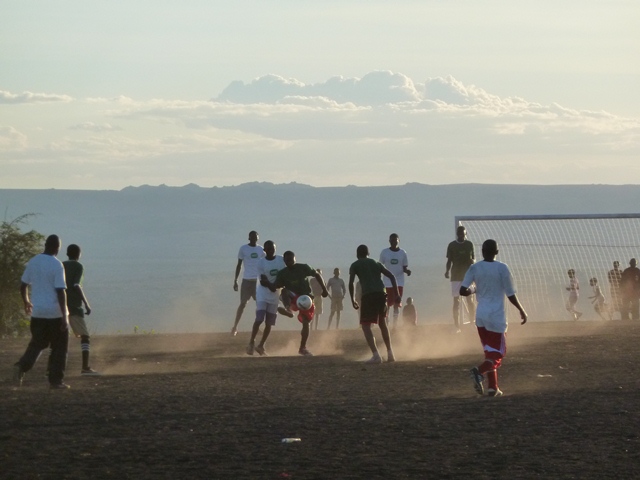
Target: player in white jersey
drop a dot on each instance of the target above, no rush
(395, 260)
(598, 300)
(493, 282)
(248, 255)
(266, 300)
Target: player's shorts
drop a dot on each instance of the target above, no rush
(78, 325)
(302, 314)
(248, 290)
(455, 288)
(391, 301)
(494, 345)
(268, 311)
(336, 304)
(373, 307)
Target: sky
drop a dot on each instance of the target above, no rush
(103, 95)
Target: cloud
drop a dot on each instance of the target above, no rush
(29, 97)
(375, 88)
(94, 127)
(11, 139)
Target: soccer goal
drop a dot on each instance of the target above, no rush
(540, 249)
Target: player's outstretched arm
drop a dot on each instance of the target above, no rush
(516, 303)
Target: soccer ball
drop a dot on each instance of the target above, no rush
(304, 302)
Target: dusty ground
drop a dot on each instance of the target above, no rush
(195, 406)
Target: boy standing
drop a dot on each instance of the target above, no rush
(460, 256)
(249, 254)
(338, 291)
(76, 299)
(374, 300)
(493, 281)
(395, 260)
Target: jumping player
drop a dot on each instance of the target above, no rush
(460, 256)
(374, 300)
(574, 293)
(338, 290)
(266, 300)
(294, 278)
(597, 299)
(76, 299)
(395, 260)
(248, 254)
(493, 281)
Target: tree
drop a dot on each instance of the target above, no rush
(16, 248)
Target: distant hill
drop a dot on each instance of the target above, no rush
(163, 257)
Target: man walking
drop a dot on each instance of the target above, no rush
(47, 306)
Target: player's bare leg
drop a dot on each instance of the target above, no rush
(371, 341)
(304, 336)
(386, 338)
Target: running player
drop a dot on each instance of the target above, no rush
(294, 278)
(598, 300)
(266, 300)
(374, 300)
(574, 293)
(248, 254)
(460, 256)
(395, 260)
(493, 281)
(338, 290)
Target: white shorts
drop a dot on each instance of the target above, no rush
(455, 288)
(267, 306)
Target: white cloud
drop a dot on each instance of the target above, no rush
(11, 139)
(29, 97)
(94, 127)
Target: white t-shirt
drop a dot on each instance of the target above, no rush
(250, 256)
(395, 263)
(493, 283)
(45, 274)
(337, 287)
(270, 268)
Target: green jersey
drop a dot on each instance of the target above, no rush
(462, 256)
(74, 273)
(295, 278)
(369, 273)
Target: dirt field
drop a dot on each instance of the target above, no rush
(196, 406)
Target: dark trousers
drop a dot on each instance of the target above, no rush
(630, 305)
(46, 332)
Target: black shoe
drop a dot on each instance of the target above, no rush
(477, 378)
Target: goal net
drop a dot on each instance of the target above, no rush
(540, 249)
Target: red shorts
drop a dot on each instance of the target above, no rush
(391, 298)
(302, 314)
(494, 345)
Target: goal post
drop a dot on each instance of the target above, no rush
(540, 249)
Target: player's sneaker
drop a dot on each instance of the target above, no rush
(390, 356)
(261, 351)
(375, 360)
(477, 378)
(458, 331)
(578, 315)
(304, 352)
(285, 312)
(89, 372)
(59, 386)
(494, 393)
(18, 375)
(250, 349)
